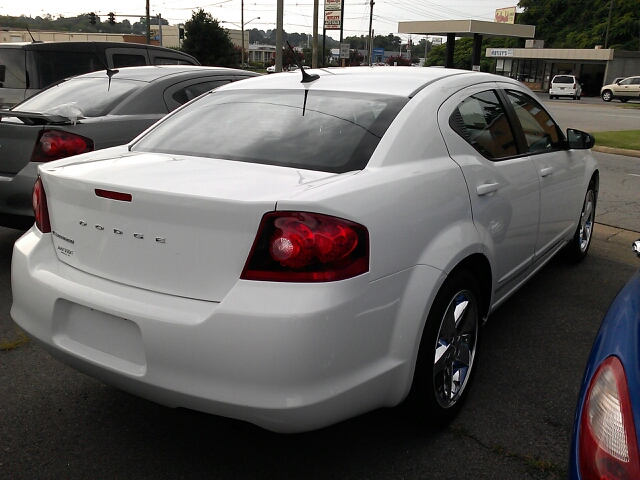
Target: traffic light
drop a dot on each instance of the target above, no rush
(181, 33)
(92, 18)
(112, 18)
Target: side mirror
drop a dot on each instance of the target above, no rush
(636, 247)
(579, 140)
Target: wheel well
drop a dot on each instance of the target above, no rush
(478, 265)
(595, 178)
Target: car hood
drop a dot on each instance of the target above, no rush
(187, 227)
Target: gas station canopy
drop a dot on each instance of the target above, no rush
(466, 28)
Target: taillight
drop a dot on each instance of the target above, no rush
(55, 144)
(307, 247)
(608, 447)
(40, 210)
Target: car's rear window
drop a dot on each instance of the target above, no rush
(53, 66)
(12, 68)
(94, 96)
(563, 79)
(311, 129)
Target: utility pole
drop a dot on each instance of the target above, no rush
(279, 27)
(160, 28)
(314, 54)
(148, 25)
(242, 32)
(606, 40)
(371, 33)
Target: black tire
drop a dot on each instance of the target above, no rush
(607, 96)
(448, 351)
(577, 248)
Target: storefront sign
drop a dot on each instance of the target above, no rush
(501, 52)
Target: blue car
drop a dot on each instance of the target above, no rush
(605, 434)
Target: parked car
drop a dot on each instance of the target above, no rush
(605, 434)
(565, 86)
(294, 253)
(27, 68)
(624, 90)
(85, 113)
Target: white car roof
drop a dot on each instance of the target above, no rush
(401, 81)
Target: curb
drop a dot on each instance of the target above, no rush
(617, 151)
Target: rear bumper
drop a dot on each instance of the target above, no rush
(563, 92)
(287, 357)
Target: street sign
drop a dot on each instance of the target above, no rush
(344, 50)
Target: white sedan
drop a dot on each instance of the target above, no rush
(294, 253)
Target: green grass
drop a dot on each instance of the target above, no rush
(627, 139)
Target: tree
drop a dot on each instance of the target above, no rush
(208, 42)
(573, 24)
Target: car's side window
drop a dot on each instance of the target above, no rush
(541, 133)
(626, 81)
(480, 119)
(128, 60)
(190, 92)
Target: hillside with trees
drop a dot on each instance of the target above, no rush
(583, 23)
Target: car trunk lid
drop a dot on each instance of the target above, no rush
(177, 225)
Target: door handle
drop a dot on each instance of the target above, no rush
(487, 188)
(546, 171)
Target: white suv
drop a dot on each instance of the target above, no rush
(565, 86)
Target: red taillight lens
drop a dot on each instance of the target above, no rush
(307, 247)
(608, 446)
(40, 210)
(55, 144)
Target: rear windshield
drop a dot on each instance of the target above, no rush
(564, 79)
(53, 66)
(314, 130)
(12, 68)
(94, 97)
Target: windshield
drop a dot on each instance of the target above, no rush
(315, 130)
(93, 96)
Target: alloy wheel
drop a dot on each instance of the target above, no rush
(455, 348)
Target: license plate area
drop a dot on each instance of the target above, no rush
(99, 337)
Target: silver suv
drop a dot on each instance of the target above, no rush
(27, 68)
(624, 90)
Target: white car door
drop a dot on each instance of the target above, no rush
(503, 186)
(561, 172)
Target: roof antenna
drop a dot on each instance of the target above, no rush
(110, 71)
(33, 40)
(306, 78)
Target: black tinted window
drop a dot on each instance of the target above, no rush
(480, 119)
(93, 96)
(540, 131)
(128, 60)
(12, 68)
(170, 61)
(190, 92)
(55, 66)
(314, 130)
(563, 79)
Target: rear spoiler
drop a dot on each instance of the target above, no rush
(33, 118)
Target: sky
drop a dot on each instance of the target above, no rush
(298, 15)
